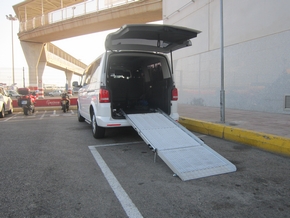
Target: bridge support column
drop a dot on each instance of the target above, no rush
(33, 52)
(69, 76)
(40, 69)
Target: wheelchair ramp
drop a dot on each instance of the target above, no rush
(185, 154)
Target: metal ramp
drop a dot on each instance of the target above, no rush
(185, 154)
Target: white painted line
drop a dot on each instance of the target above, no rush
(42, 115)
(54, 114)
(15, 115)
(9, 118)
(115, 144)
(127, 204)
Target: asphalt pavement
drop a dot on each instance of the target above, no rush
(267, 131)
(48, 169)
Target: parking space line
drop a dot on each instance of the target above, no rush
(8, 119)
(42, 115)
(115, 144)
(54, 114)
(127, 204)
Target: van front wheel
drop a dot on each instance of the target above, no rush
(98, 132)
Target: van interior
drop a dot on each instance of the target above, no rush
(138, 83)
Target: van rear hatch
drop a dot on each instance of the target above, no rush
(150, 37)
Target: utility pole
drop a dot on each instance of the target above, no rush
(222, 92)
(11, 18)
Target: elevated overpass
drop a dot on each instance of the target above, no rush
(43, 21)
(39, 55)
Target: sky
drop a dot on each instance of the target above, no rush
(85, 48)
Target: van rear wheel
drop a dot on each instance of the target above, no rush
(98, 132)
(80, 117)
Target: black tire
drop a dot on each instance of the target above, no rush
(80, 117)
(2, 113)
(64, 108)
(25, 111)
(98, 132)
(11, 109)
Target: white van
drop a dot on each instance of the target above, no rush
(134, 75)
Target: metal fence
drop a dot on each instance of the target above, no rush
(84, 8)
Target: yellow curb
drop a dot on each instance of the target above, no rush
(264, 141)
(202, 127)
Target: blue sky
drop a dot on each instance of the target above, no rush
(79, 47)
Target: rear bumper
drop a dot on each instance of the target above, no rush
(109, 122)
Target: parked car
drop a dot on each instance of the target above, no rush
(55, 93)
(5, 103)
(134, 75)
(13, 93)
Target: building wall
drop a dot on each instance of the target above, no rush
(256, 53)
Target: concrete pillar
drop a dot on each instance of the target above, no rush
(69, 76)
(40, 69)
(32, 52)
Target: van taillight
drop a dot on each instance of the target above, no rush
(174, 94)
(104, 96)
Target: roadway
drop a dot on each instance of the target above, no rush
(51, 166)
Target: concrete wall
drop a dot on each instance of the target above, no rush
(257, 53)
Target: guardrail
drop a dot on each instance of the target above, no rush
(49, 102)
(77, 10)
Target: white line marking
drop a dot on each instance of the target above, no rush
(9, 118)
(42, 115)
(54, 114)
(127, 204)
(124, 143)
(15, 115)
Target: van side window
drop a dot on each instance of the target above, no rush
(90, 73)
(95, 76)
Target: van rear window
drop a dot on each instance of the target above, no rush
(138, 65)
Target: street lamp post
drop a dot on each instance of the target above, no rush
(11, 18)
(222, 92)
